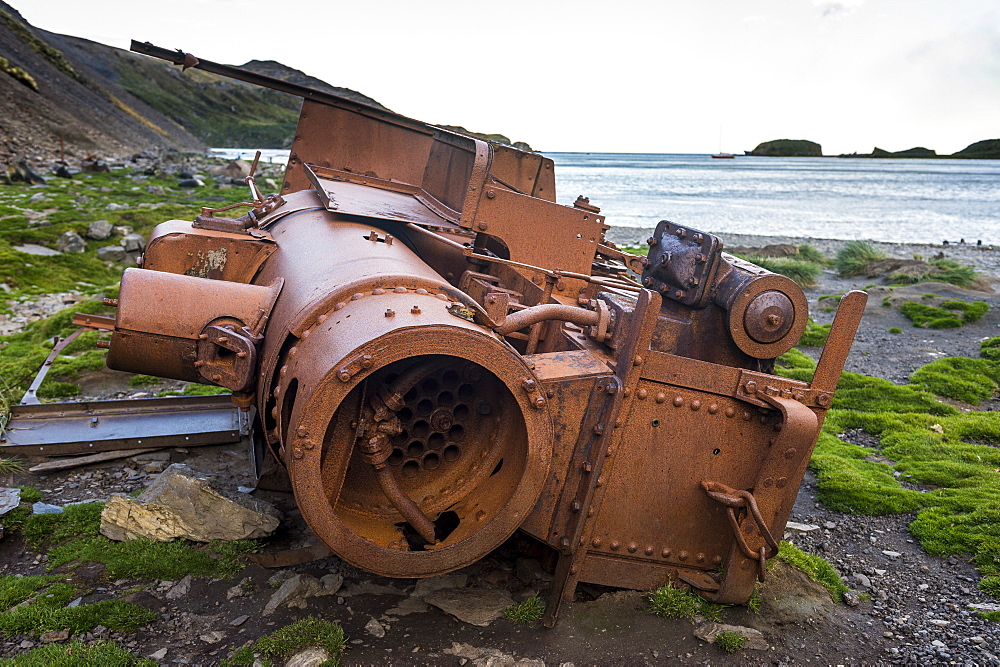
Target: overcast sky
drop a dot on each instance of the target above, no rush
(613, 75)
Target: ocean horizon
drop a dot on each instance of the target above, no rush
(891, 200)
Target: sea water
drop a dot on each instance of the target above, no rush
(902, 201)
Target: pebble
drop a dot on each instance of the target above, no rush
(892, 554)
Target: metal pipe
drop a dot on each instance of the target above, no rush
(547, 311)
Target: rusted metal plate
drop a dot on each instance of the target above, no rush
(59, 429)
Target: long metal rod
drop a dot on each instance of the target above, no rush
(187, 60)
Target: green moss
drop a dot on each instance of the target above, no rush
(960, 378)
(815, 335)
(670, 602)
(855, 257)
(151, 559)
(895, 330)
(196, 389)
(990, 348)
(77, 654)
(30, 494)
(730, 642)
(39, 617)
(291, 639)
(929, 317)
(990, 585)
(14, 589)
(143, 380)
(816, 568)
(82, 520)
(526, 612)
(18, 74)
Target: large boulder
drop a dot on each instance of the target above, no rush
(178, 504)
(237, 169)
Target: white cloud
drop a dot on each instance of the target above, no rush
(837, 8)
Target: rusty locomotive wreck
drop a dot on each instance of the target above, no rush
(440, 354)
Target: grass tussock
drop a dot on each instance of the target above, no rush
(291, 639)
(855, 257)
(816, 568)
(815, 335)
(730, 642)
(941, 270)
(526, 612)
(990, 348)
(670, 602)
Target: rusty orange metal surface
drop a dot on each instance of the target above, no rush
(439, 355)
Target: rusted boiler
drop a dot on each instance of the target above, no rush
(440, 354)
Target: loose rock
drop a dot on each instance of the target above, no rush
(179, 505)
(707, 632)
(473, 606)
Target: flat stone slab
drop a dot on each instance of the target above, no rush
(33, 249)
(471, 605)
(707, 632)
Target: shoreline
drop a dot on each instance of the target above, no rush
(983, 259)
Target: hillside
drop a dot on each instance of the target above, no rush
(101, 100)
(988, 149)
(63, 96)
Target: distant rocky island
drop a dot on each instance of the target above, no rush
(988, 149)
(788, 148)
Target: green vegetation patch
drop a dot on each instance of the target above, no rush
(291, 639)
(950, 314)
(815, 335)
(940, 270)
(14, 590)
(816, 568)
(730, 642)
(42, 616)
(18, 73)
(75, 538)
(855, 257)
(990, 348)
(932, 459)
(78, 654)
(670, 602)
(150, 559)
(527, 611)
(960, 378)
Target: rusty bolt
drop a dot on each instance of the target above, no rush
(665, 553)
(823, 400)
(216, 378)
(699, 258)
(642, 394)
(241, 355)
(660, 397)
(700, 558)
(588, 467)
(344, 375)
(680, 294)
(615, 545)
(750, 387)
(790, 453)
(528, 384)
(367, 361)
(769, 482)
(110, 302)
(550, 393)
(389, 312)
(104, 344)
(637, 361)
(611, 389)
(678, 401)
(539, 402)
(782, 482)
(632, 547)
(649, 550)
(575, 505)
(695, 405)
(598, 429)
(683, 555)
(651, 241)
(597, 542)
(647, 281)
(298, 453)
(302, 432)
(415, 310)
(693, 282)
(483, 226)
(490, 194)
(309, 444)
